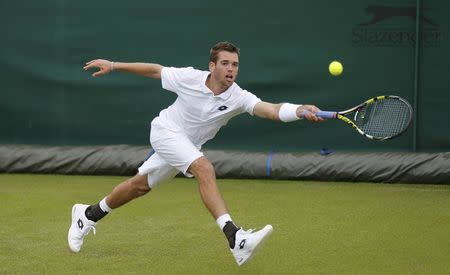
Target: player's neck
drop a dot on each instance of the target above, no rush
(216, 87)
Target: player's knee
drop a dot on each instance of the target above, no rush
(207, 167)
(139, 185)
(141, 190)
(201, 166)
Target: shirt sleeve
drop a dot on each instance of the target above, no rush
(249, 101)
(174, 78)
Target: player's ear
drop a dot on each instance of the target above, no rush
(211, 66)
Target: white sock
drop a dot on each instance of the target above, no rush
(104, 206)
(222, 220)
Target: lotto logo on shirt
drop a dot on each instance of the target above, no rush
(222, 108)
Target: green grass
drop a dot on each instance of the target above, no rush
(319, 228)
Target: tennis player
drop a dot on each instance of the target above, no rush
(206, 100)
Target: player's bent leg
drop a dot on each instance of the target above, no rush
(85, 217)
(203, 171)
(243, 244)
(128, 190)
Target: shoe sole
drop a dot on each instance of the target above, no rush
(68, 232)
(269, 229)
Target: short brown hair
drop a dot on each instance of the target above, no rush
(222, 46)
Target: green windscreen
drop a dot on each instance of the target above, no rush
(286, 46)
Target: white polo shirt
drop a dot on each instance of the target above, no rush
(197, 112)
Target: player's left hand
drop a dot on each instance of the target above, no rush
(309, 112)
(103, 66)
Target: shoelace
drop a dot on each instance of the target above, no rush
(247, 231)
(89, 227)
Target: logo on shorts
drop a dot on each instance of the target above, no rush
(222, 108)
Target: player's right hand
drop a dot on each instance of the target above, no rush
(309, 112)
(104, 66)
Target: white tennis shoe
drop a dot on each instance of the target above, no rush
(79, 228)
(247, 242)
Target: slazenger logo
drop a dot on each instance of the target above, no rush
(385, 28)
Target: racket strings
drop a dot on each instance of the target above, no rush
(384, 118)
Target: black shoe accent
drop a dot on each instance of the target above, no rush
(242, 244)
(230, 230)
(94, 213)
(80, 224)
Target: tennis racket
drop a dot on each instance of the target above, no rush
(379, 118)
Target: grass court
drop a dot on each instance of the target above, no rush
(319, 228)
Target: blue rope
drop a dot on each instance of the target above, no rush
(269, 164)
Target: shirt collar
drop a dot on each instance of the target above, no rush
(225, 95)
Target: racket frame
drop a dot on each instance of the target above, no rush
(341, 115)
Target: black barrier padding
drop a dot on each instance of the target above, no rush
(389, 167)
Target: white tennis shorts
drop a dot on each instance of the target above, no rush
(174, 153)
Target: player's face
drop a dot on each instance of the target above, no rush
(226, 68)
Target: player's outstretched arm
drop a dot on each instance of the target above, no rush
(105, 67)
(286, 112)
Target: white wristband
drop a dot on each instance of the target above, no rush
(288, 112)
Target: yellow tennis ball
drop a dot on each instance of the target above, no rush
(335, 68)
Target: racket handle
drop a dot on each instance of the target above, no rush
(326, 114)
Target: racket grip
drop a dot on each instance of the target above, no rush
(326, 114)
